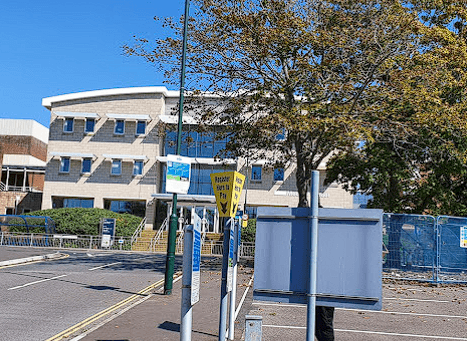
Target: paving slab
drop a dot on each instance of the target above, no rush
(158, 317)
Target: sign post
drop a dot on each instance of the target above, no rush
(227, 189)
(107, 231)
(177, 181)
(191, 276)
(313, 258)
(236, 234)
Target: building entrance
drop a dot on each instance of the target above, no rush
(186, 211)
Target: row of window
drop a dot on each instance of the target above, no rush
(115, 169)
(256, 173)
(135, 207)
(138, 165)
(90, 123)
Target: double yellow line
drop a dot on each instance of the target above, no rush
(68, 332)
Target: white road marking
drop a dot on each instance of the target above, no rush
(404, 335)
(361, 310)
(401, 313)
(414, 299)
(104, 266)
(377, 333)
(42, 280)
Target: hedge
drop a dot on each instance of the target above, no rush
(83, 221)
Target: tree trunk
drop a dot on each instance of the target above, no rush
(303, 177)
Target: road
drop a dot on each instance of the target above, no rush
(415, 311)
(39, 300)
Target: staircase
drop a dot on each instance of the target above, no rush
(211, 242)
(143, 242)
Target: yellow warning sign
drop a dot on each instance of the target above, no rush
(227, 188)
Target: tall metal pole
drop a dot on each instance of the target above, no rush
(313, 242)
(170, 261)
(187, 311)
(224, 301)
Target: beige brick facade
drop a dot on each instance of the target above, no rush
(100, 185)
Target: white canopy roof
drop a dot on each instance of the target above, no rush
(125, 157)
(74, 155)
(203, 160)
(129, 117)
(22, 160)
(76, 114)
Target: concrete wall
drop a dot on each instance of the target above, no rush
(100, 184)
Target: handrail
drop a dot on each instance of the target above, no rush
(203, 233)
(157, 237)
(138, 231)
(179, 248)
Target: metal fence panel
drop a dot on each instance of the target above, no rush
(452, 255)
(409, 246)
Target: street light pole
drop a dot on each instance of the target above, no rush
(170, 260)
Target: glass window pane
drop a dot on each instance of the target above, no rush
(119, 127)
(86, 166)
(141, 128)
(64, 164)
(256, 173)
(138, 168)
(89, 126)
(116, 167)
(278, 174)
(68, 125)
(137, 208)
(78, 202)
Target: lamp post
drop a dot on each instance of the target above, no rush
(170, 260)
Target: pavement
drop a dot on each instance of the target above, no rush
(156, 316)
(17, 255)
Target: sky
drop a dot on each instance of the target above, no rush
(50, 48)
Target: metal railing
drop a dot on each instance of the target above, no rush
(62, 241)
(59, 241)
(10, 188)
(138, 231)
(179, 244)
(158, 235)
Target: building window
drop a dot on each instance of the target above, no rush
(281, 136)
(119, 127)
(138, 167)
(140, 127)
(86, 165)
(65, 165)
(137, 208)
(63, 202)
(116, 167)
(68, 125)
(278, 174)
(9, 210)
(256, 173)
(89, 125)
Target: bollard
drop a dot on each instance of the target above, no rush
(253, 327)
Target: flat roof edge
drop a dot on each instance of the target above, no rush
(48, 101)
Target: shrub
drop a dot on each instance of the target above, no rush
(84, 221)
(249, 232)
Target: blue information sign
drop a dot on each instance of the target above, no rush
(196, 261)
(178, 174)
(107, 231)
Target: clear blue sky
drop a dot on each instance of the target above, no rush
(53, 47)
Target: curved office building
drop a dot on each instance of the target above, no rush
(107, 149)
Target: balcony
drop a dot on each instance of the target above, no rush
(24, 189)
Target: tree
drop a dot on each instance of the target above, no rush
(421, 170)
(317, 73)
